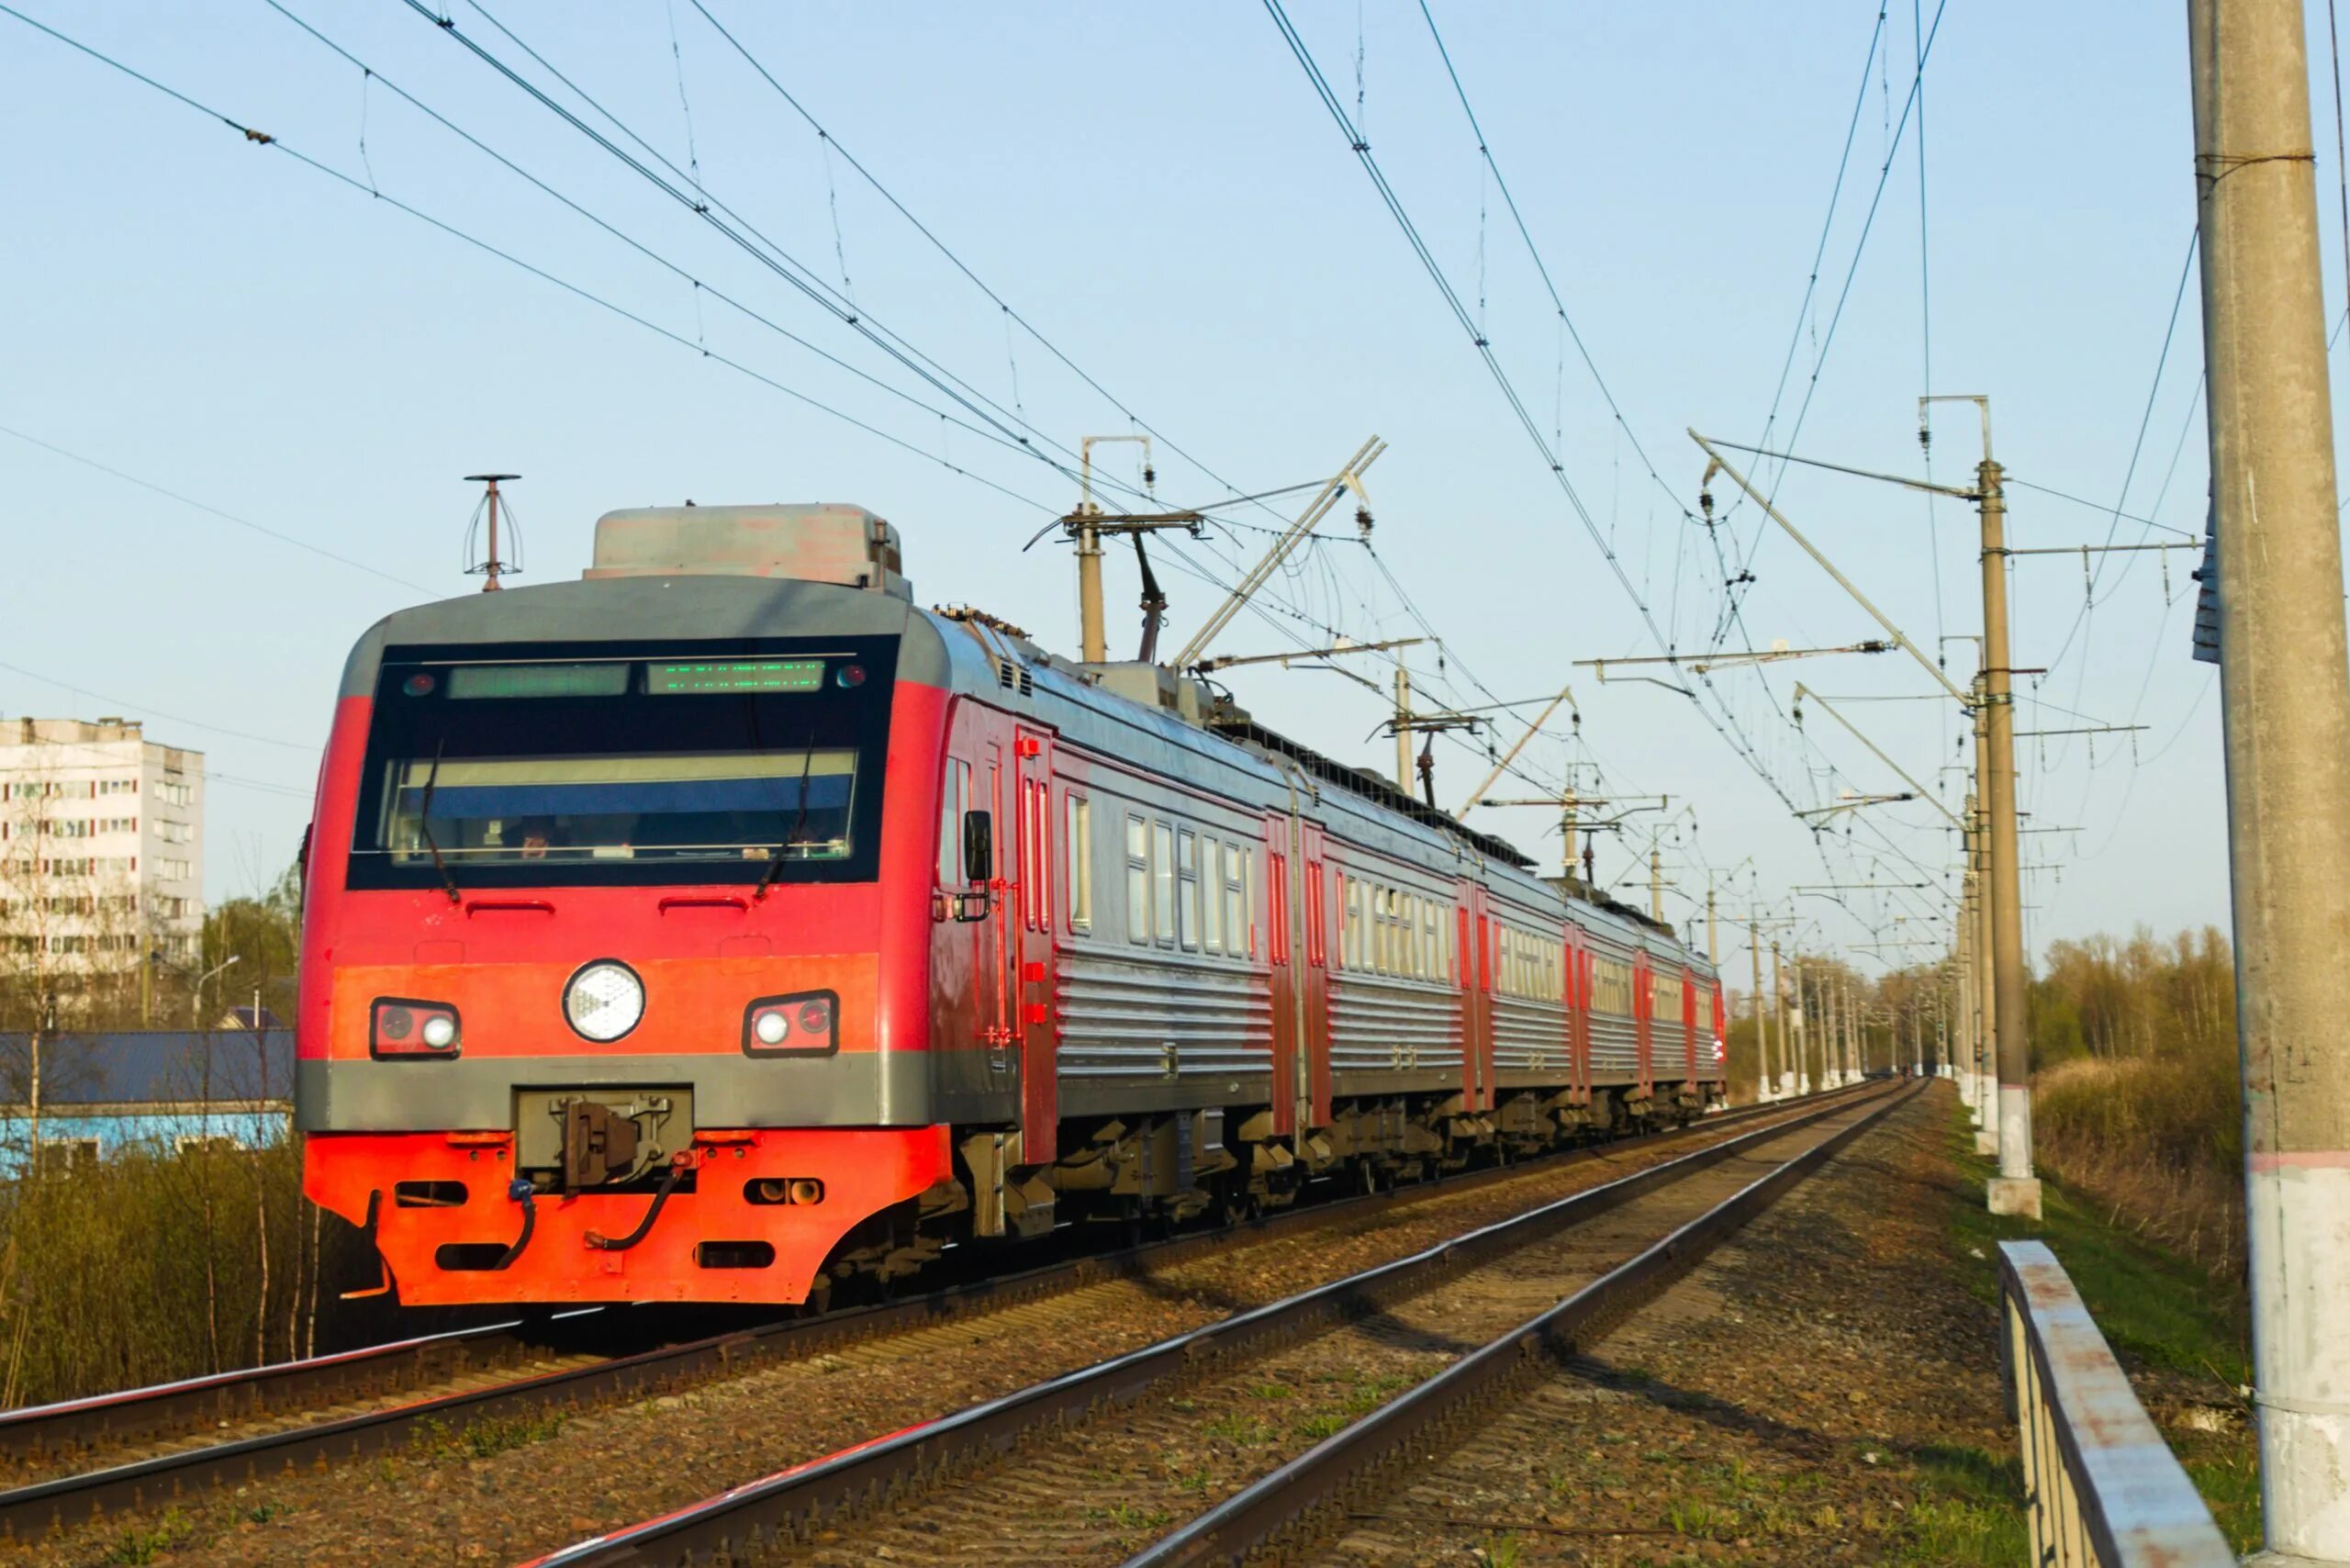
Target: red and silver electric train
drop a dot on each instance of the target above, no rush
(722, 927)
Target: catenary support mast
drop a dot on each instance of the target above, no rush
(2285, 701)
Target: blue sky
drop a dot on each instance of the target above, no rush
(1161, 196)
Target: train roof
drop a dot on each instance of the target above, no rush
(647, 586)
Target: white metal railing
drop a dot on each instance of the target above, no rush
(2101, 1487)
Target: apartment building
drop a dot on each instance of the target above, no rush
(101, 843)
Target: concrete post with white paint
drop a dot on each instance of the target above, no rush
(2286, 710)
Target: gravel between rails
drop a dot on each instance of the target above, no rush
(1102, 1486)
(517, 1490)
(1781, 1405)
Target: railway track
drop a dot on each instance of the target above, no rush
(1104, 1455)
(161, 1444)
(170, 1441)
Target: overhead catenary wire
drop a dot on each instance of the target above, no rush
(746, 235)
(700, 285)
(262, 138)
(1844, 294)
(262, 529)
(1500, 375)
(175, 718)
(1010, 314)
(1731, 613)
(315, 165)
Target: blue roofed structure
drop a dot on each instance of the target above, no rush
(104, 1094)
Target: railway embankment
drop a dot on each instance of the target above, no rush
(1826, 1389)
(1822, 1388)
(498, 1490)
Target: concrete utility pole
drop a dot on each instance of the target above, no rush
(1785, 1085)
(1846, 1056)
(2285, 701)
(2015, 1191)
(1826, 1035)
(1713, 945)
(1656, 882)
(1799, 1058)
(1088, 523)
(1958, 1008)
(1402, 728)
(1986, 1021)
(1852, 1055)
(1761, 1047)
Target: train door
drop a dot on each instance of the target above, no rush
(1643, 1014)
(1478, 963)
(1313, 1040)
(1032, 981)
(1578, 1001)
(997, 947)
(1720, 1060)
(1279, 933)
(1689, 1026)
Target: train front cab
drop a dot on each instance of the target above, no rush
(614, 979)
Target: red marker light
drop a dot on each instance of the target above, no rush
(419, 684)
(816, 1017)
(395, 1022)
(849, 674)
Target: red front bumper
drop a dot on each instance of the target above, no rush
(862, 1173)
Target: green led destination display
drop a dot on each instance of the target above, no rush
(718, 677)
(538, 680)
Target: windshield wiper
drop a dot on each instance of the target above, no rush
(424, 823)
(792, 838)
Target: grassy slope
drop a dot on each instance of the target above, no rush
(2181, 1337)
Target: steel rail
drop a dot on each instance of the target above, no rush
(737, 1524)
(131, 1415)
(40, 1507)
(1291, 1501)
(38, 1432)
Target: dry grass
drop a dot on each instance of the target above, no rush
(2157, 1141)
(148, 1267)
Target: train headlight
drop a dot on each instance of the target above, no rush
(603, 1001)
(400, 1028)
(806, 1022)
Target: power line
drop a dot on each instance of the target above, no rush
(2145, 417)
(658, 259)
(175, 718)
(263, 138)
(749, 237)
(1844, 293)
(1566, 322)
(1466, 320)
(701, 349)
(847, 312)
(261, 529)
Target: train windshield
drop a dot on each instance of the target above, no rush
(679, 768)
